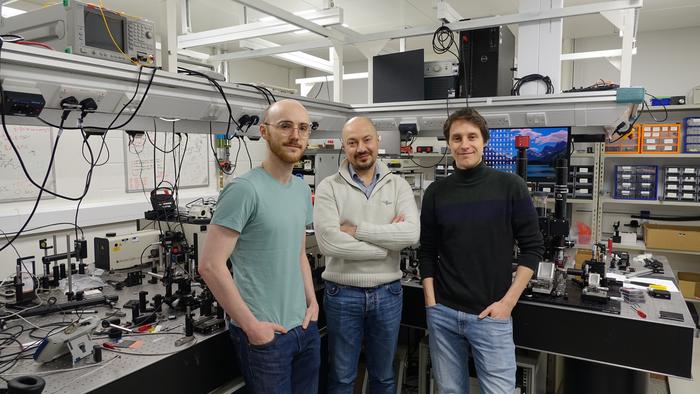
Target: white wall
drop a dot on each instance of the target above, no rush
(666, 62)
(106, 208)
(354, 90)
(257, 71)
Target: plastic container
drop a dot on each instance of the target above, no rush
(584, 233)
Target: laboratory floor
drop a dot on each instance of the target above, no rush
(685, 386)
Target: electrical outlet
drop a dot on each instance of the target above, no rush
(80, 93)
(214, 112)
(385, 124)
(496, 121)
(125, 99)
(432, 122)
(536, 119)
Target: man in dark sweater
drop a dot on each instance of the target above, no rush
(470, 222)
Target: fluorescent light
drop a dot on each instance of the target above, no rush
(297, 57)
(8, 12)
(305, 14)
(329, 78)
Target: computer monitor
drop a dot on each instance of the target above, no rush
(547, 144)
(398, 77)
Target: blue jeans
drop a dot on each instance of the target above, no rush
(452, 333)
(288, 364)
(351, 314)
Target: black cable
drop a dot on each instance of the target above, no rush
(519, 82)
(112, 127)
(644, 104)
(103, 145)
(43, 184)
(259, 89)
(443, 40)
(81, 128)
(12, 144)
(274, 99)
(165, 161)
(176, 188)
(182, 159)
(432, 166)
(13, 246)
(49, 225)
(155, 140)
(631, 127)
(221, 92)
(154, 143)
(250, 160)
(132, 143)
(57, 325)
(131, 117)
(238, 152)
(319, 89)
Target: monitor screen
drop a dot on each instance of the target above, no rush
(398, 77)
(96, 34)
(547, 144)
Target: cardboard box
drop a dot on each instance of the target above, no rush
(658, 236)
(581, 256)
(689, 282)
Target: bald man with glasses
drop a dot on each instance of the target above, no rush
(259, 225)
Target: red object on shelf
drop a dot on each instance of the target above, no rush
(522, 141)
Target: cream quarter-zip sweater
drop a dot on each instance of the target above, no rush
(372, 257)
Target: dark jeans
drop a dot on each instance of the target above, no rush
(351, 314)
(288, 364)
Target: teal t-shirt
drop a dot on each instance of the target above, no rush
(271, 218)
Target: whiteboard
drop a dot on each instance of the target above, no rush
(34, 144)
(139, 161)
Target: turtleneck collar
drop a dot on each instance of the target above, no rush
(471, 174)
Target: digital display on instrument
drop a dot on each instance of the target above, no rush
(96, 34)
(547, 144)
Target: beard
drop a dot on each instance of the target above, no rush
(363, 165)
(279, 149)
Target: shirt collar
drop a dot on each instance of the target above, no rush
(354, 176)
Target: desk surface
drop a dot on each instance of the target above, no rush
(625, 340)
(199, 366)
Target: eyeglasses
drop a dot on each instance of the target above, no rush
(288, 127)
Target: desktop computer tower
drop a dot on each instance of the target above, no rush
(486, 62)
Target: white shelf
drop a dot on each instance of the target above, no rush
(578, 155)
(420, 155)
(653, 155)
(609, 200)
(676, 107)
(640, 246)
(578, 201)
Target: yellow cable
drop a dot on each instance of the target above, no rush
(104, 18)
